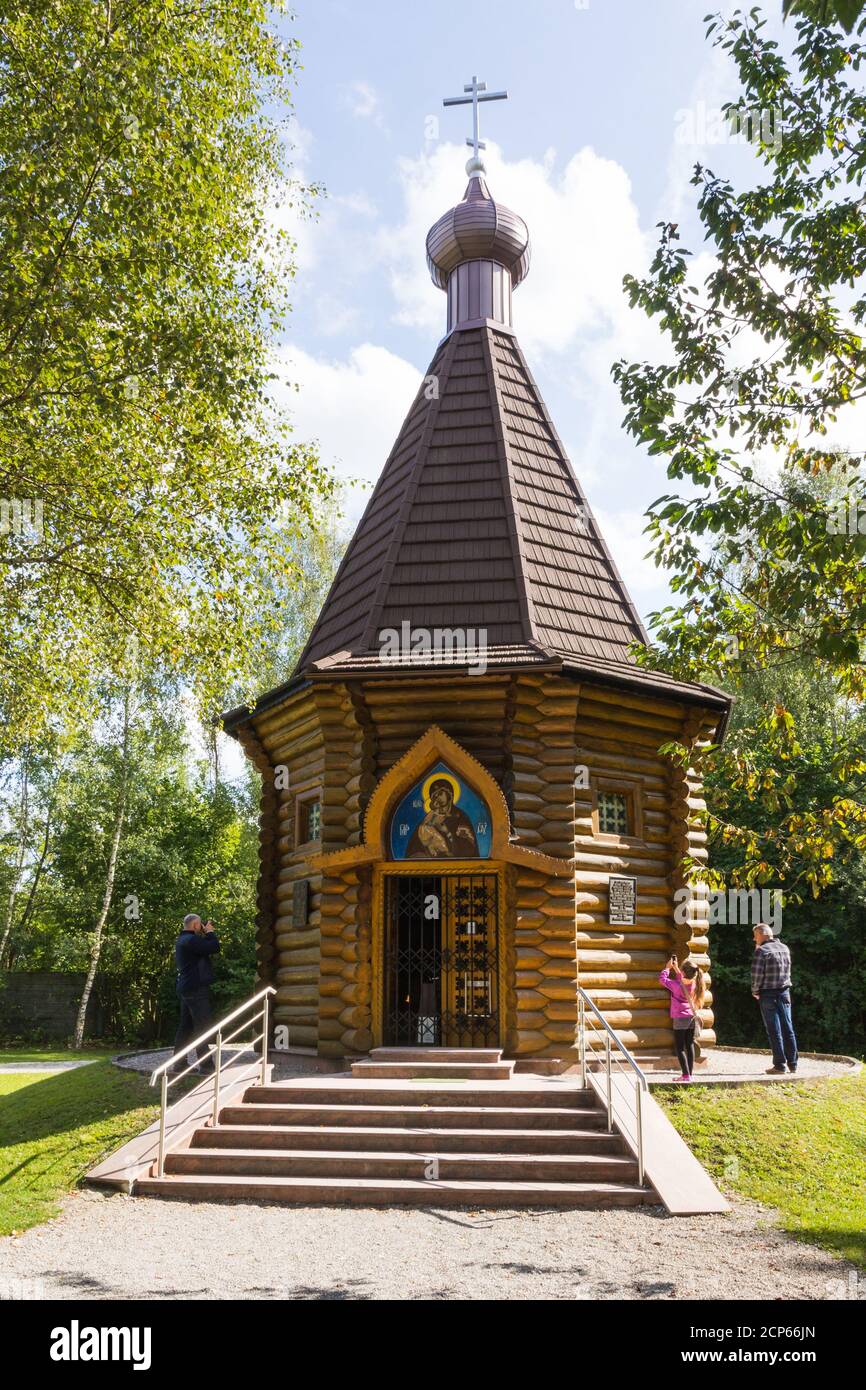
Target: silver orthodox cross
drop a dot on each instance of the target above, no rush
(478, 92)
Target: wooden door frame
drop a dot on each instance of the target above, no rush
(431, 868)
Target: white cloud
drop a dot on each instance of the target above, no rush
(353, 408)
(335, 316)
(583, 227)
(358, 203)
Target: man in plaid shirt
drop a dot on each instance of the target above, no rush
(771, 986)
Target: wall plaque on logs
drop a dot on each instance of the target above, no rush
(621, 901)
(300, 902)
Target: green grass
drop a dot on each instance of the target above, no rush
(800, 1149)
(56, 1054)
(12, 1081)
(56, 1125)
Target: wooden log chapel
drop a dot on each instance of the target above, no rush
(465, 813)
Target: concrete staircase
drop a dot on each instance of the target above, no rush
(426, 1126)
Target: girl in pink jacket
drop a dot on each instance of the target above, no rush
(687, 990)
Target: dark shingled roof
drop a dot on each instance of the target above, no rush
(478, 523)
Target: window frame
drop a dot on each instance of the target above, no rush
(302, 800)
(620, 785)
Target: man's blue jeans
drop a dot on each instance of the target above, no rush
(776, 1013)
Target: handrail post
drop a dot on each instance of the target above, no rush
(265, 1026)
(638, 1093)
(609, 1086)
(218, 1061)
(160, 1162)
(581, 1025)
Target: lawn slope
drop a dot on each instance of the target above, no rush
(54, 1126)
(799, 1148)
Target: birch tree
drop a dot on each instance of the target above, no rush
(23, 835)
(114, 841)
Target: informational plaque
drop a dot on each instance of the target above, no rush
(621, 901)
(300, 902)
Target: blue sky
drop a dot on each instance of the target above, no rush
(610, 105)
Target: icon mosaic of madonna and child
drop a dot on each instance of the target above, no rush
(441, 817)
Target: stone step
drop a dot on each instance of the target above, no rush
(397, 1191)
(357, 1091)
(436, 1054)
(381, 1139)
(413, 1116)
(440, 1071)
(468, 1167)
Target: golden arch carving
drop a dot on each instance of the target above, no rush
(435, 745)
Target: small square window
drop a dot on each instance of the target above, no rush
(613, 813)
(309, 820)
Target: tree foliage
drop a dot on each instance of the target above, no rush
(188, 833)
(186, 846)
(764, 358)
(827, 936)
(142, 285)
(844, 12)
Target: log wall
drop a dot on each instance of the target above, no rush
(541, 754)
(345, 980)
(688, 837)
(530, 731)
(618, 737)
(472, 710)
(291, 738)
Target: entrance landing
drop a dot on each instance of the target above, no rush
(436, 1063)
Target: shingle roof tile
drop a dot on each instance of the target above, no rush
(478, 521)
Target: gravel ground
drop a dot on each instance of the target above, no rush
(127, 1247)
(146, 1061)
(722, 1065)
(286, 1065)
(44, 1066)
(725, 1065)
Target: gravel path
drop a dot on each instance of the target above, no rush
(726, 1065)
(722, 1064)
(128, 1247)
(44, 1066)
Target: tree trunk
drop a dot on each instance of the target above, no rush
(37, 873)
(23, 827)
(116, 834)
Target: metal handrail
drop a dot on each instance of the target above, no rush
(215, 1050)
(585, 999)
(640, 1084)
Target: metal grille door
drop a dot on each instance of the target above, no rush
(441, 961)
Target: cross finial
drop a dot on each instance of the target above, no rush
(477, 92)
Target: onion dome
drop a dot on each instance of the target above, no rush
(477, 252)
(478, 229)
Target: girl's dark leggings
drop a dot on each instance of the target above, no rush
(684, 1039)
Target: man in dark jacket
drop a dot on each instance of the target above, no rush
(771, 986)
(193, 950)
